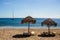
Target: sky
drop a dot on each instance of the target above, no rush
(34, 8)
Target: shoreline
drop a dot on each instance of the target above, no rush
(22, 27)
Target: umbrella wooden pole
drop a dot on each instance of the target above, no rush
(28, 27)
(48, 29)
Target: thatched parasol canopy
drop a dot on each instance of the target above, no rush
(49, 22)
(28, 19)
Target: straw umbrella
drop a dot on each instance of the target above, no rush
(49, 22)
(28, 20)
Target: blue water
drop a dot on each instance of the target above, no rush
(17, 22)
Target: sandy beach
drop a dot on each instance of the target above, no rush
(6, 34)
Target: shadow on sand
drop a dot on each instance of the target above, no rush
(20, 36)
(46, 35)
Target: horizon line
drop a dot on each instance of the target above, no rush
(24, 17)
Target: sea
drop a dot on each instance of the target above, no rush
(16, 23)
